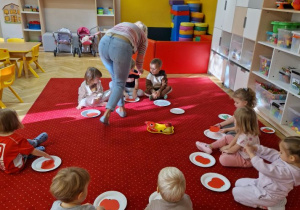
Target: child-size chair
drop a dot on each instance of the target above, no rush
(15, 40)
(1, 40)
(7, 78)
(33, 59)
(5, 58)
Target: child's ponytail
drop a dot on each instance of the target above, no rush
(293, 145)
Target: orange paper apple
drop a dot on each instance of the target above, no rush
(216, 182)
(214, 128)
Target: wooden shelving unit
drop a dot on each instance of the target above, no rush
(280, 57)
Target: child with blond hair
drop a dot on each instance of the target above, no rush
(15, 149)
(232, 147)
(275, 179)
(242, 97)
(70, 188)
(157, 81)
(90, 92)
(171, 185)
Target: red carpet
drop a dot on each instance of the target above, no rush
(124, 156)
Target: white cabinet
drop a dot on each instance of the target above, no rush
(217, 65)
(230, 75)
(242, 3)
(225, 14)
(216, 40)
(229, 15)
(241, 78)
(252, 23)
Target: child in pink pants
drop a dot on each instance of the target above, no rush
(233, 154)
(275, 180)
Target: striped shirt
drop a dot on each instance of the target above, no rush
(137, 38)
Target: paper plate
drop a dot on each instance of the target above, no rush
(130, 99)
(213, 135)
(115, 195)
(206, 178)
(37, 164)
(162, 103)
(155, 196)
(267, 130)
(207, 156)
(91, 113)
(177, 111)
(224, 116)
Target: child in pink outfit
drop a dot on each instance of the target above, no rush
(233, 154)
(275, 180)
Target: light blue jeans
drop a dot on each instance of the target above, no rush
(116, 55)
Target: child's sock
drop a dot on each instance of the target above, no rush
(165, 96)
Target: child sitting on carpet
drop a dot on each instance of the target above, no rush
(171, 185)
(157, 82)
(70, 187)
(14, 149)
(275, 180)
(90, 92)
(232, 147)
(242, 97)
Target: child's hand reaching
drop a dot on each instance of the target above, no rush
(224, 149)
(250, 149)
(223, 130)
(126, 95)
(79, 107)
(134, 94)
(163, 82)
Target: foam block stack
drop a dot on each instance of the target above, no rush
(186, 31)
(195, 6)
(197, 17)
(200, 29)
(180, 14)
(176, 2)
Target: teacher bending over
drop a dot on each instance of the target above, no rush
(116, 49)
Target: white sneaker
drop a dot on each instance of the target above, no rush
(279, 206)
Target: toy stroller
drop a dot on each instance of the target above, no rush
(87, 41)
(64, 37)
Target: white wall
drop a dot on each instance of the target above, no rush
(9, 30)
(69, 14)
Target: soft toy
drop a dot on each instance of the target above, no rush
(153, 127)
(86, 39)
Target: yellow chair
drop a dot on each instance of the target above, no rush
(1, 40)
(7, 78)
(33, 59)
(5, 58)
(15, 40)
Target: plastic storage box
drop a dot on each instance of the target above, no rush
(277, 108)
(284, 77)
(295, 41)
(264, 96)
(264, 65)
(272, 37)
(295, 78)
(284, 38)
(294, 118)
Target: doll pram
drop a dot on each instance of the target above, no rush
(64, 37)
(87, 40)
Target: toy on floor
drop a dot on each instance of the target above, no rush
(295, 125)
(153, 127)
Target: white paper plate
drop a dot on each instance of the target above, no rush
(213, 135)
(155, 196)
(162, 103)
(208, 156)
(177, 111)
(271, 130)
(130, 99)
(112, 195)
(224, 116)
(37, 164)
(206, 178)
(86, 112)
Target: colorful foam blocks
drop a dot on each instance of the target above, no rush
(176, 23)
(200, 28)
(197, 17)
(186, 31)
(194, 7)
(176, 2)
(180, 8)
